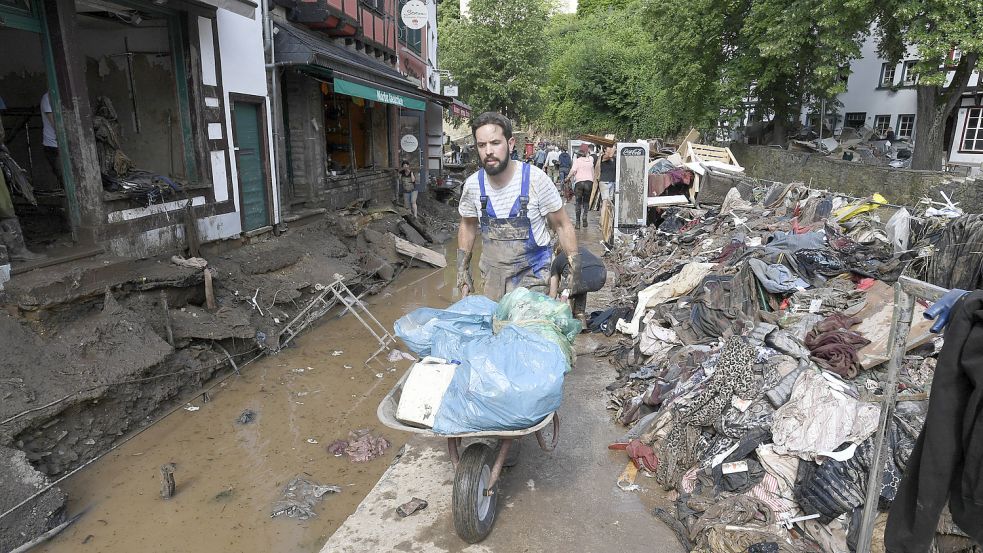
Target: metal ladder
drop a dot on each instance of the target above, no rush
(328, 297)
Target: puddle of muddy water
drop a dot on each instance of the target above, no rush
(228, 475)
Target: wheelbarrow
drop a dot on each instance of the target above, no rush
(477, 469)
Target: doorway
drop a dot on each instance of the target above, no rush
(249, 132)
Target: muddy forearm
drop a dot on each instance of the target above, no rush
(565, 235)
(466, 233)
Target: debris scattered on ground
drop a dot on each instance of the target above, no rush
(190, 262)
(753, 336)
(361, 446)
(246, 417)
(299, 498)
(411, 506)
(167, 480)
(398, 355)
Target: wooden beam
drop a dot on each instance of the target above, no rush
(413, 251)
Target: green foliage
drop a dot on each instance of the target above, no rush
(775, 52)
(496, 54)
(588, 7)
(599, 74)
(934, 28)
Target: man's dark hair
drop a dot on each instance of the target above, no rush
(492, 118)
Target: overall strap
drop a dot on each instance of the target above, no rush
(483, 198)
(521, 204)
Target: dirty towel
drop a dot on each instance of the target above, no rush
(835, 347)
(299, 497)
(820, 417)
(778, 493)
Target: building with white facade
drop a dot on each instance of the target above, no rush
(881, 95)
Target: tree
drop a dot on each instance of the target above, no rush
(937, 29)
(599, 74)
(496, 55)
(782, 53)
(588, 7)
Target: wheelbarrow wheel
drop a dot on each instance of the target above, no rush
(474, 510)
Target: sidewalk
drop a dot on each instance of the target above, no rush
(565, 501)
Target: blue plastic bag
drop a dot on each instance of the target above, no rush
(506, 381)
(511, 366)
(469, 317)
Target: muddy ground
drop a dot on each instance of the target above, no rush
(90, 354)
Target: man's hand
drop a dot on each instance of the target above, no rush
(464, 280)
(574, 280)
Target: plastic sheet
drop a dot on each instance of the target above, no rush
(472, 316)
(506, 381)
(547, 317)
(511, 370)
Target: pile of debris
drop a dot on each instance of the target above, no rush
(752, 334)
(862, 145)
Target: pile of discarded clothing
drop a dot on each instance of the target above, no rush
(752, 341)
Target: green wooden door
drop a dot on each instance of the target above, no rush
(249, 161)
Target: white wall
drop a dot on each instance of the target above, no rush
(864, 93)
(243, 68)
(957, 139)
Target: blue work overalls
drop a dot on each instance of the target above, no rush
(510, 256)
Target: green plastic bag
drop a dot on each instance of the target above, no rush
(547, 317)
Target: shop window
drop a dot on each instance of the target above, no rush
(139, 90)
(888, 71)
(411, 147)
(412, 38)
(855, 119)
(881, 124)
(347, 132)
(973, 131)
(906, 126)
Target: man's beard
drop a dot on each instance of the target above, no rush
(502, 166)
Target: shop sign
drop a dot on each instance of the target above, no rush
(342, 86)
(408, 143)
(450, 90)
(414, 14)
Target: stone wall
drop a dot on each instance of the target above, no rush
(899, 186)
(375, 184)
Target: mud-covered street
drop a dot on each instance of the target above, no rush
(229, 474)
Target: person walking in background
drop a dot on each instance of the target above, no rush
(563, 168)
(540, 158)
(582, 177)
(607, 173)
(49, 138)
(552, 161)
(407, 183)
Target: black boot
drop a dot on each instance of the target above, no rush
(12, 236)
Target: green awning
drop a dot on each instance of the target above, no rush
(342, 86)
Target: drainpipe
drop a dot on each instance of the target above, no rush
(269, 53)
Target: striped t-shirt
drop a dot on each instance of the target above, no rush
(543, 199)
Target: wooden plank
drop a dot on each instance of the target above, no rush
(692, 136)
(666, 200)
(900, 322)
(413, 251)
(876, 326)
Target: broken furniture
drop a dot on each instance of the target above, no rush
(328, 297)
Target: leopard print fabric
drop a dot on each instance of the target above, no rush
(733, 376)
